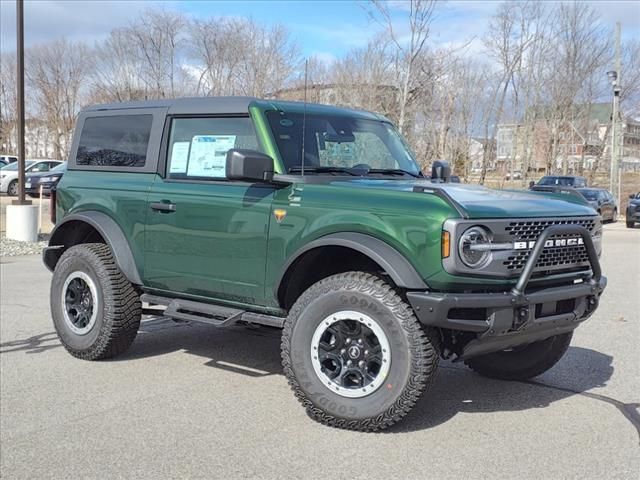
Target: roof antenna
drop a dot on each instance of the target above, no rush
(304, 114)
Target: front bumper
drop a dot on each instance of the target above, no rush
(502, 320)
(633, 214)
(34, 188)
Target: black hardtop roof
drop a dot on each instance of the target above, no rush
(184, 105)
(229, 105)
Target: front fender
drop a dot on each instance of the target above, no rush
(392, 262)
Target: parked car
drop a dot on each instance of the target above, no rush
(37, 182)
(517, 175)
(9, 173)
(372, 273)
(563, 181)
(602, 201)
(633, 210)
(7, 159)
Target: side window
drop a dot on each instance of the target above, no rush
(198, 146)
(41, 167)
(115, 141)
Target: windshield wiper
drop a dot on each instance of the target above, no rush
(326, 169)
(395, 171)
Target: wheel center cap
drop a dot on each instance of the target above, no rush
(354, 351)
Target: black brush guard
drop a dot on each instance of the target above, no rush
(516, 317)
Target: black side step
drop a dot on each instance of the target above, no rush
(215, 315)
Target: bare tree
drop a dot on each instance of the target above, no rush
(575, 67)
(8, 102)
(630, 78)
(419, 19)
(238, 56)
(157, 38)
(363, 79)
(216, 45)
(116, 69)
(56, 74)
(507, 40)
(269, 59)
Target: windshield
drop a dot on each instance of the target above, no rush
(14, 166)
(60, 168)
(339, 142)
(590, 194)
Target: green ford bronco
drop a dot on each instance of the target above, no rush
(316, 220)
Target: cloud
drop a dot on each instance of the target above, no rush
(88, 21)
(326, 58)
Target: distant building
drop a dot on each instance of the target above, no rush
(477, 148)
(583, 138)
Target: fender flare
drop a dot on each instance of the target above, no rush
(108, 229)
(392, 262)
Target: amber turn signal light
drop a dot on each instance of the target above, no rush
(446, 244)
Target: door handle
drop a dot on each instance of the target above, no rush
(164, 207)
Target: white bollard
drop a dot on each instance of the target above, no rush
(22, 222)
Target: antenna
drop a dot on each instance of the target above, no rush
(304, 114)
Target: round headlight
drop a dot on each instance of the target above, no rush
(473, 247)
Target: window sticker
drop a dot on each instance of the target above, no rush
(179, 157)
(208, 155)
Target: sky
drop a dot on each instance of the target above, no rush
(326, 29)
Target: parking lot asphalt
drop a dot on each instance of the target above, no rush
(193, 401)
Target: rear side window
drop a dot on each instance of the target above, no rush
(115, 141)
(198, 146)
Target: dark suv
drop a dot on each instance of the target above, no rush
(602, 201)
(562, 181)
(316, 220)
(633, 210)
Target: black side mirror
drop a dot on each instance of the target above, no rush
(440, 171)
(632, 196)
(249, 165)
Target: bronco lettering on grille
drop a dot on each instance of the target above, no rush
(558, 242)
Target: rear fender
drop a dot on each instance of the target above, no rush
(66, 234)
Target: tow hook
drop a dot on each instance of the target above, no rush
(520, 318)
(592, 303)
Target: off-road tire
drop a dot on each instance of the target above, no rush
(414, 358)
(12, 189)
(119, 307)
(630, 224)
(522, 363)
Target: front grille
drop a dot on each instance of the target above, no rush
(530, 230)
(552, 258)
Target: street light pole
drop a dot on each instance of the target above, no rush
(20, 101)
(614, 181)
(21, 215)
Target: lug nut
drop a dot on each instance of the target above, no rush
(360, 341)
(348, 341)
(349, 362)
(366, 352)
(361, 363)
(343, 351)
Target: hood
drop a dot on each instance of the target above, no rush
(476, 201)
